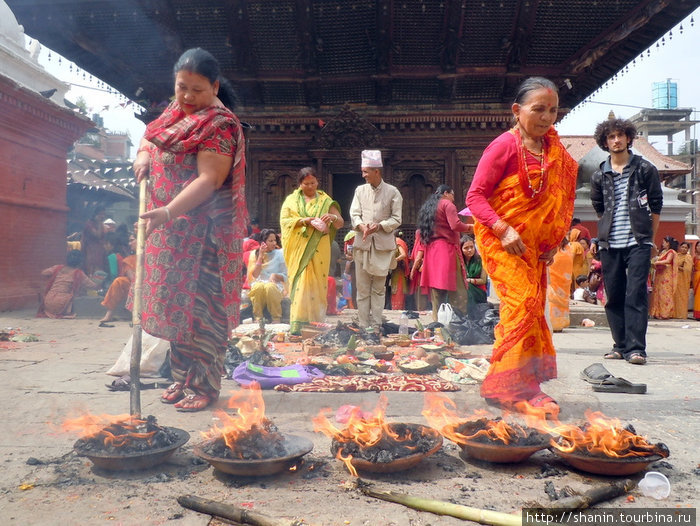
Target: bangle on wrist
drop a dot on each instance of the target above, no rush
(144, 149)
(167, 211)
(499, 228)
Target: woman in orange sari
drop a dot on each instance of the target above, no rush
(522, 198)
(696, 281)
(558, 291)
(661, 305)
(684, 270)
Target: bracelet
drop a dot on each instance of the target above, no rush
(167, 211)
(499, 228)
(145, 149)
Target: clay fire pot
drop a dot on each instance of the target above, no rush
(136, 461)
(295, 446)
(498, 452)
(607, 465)
(403, 463)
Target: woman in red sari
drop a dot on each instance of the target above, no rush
(443, 265)
(196, 221)
(522, 198)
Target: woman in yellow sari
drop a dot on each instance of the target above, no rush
(696, 281)
(522, 198)
(309, 219)
(684, 270)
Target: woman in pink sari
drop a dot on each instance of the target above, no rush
(194, 154)
(443, 265)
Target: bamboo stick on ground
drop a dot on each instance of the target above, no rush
(496, 518)
(600, 493)
(230, 512)
(135, 365)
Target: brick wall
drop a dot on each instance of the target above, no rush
(35, 136)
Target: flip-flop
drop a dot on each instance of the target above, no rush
(123, 383)
(604, 381)
(595, 373)
(105, 324)
(620, 385)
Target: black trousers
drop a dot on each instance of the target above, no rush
(625, 273)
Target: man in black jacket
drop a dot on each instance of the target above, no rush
(626, 194)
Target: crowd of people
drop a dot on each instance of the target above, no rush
(207, 266)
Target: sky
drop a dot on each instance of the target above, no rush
(676, 58)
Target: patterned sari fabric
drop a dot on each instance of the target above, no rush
(696, 288)
(307, 253)
(684, 271)
(193, 263)
(523, 353)
(661, 305)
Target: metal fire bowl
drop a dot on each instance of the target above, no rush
(607, 465)
(136, 461)
(296, 447)
(403, 463)
(498, 453)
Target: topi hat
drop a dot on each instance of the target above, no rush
(371, 159)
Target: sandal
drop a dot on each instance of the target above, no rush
(637, 359)
(541, 401)
(173, 394)
(605, 382)
(613, 355)
(193, 402)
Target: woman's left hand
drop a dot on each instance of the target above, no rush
(155, 218)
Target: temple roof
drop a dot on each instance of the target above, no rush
(301, 55)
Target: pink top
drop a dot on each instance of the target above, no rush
(499, 159)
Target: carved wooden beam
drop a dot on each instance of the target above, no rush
(161, 12)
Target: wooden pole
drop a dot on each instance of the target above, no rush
(230, 512)
(135, 366)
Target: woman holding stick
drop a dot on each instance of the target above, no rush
(522, 198)
(194, 154)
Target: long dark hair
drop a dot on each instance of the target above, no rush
(426, 214)
(200, 61)
(464, 239)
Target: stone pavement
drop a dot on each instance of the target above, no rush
(42, 381)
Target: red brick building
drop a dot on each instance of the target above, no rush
(35, 136)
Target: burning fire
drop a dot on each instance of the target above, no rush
(600, 435)
(247, 434)
(362, 428)
(112, 431)
(441, 414)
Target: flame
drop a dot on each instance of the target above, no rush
(365, 430)
(441, 414)
(113, 430)
(250, 413)
(600, 435)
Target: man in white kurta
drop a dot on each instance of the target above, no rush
(375, 214)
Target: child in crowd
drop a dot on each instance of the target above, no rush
(582, 293)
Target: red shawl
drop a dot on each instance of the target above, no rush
(174, 250)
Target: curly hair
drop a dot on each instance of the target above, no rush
(608, 126)
(426, 214)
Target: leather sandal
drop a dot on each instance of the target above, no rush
(605, 382)
(613, 355)
(173, 394)
(636, 359)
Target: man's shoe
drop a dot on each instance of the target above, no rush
(637, 359)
